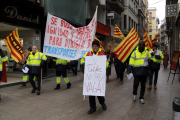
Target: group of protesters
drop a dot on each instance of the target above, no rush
(142, 63)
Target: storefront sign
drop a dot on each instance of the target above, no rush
(172, 10)
(62, 40)
(95, 76)
(175, 60)
(102, 29)
(21, 13)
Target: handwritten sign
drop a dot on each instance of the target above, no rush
(95, 76)
(62, 40)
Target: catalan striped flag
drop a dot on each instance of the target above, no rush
(118, 33)
(147, 40)
(13, 43)
(101, 44)
(125, 48)
(154, 41)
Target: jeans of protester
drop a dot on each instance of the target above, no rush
(155, 77)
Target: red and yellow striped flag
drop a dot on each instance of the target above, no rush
(154, 41)
(101, 44)
(147, 41)
(13, 43)
(118, 33)
(125, 48)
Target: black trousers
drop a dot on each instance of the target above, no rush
(63, 73)
(92, 101)
(74, 69)
(155, 77)
(138, 79)
(0, 76)
(116, 71)
(121, 75)
(38, 76)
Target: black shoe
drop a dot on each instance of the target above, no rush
(68, 85)
(38, 92)
(91, 111)
(33, 90)
(57, 87)
(104, 107)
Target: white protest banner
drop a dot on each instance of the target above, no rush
(62, 40)
(95, 76)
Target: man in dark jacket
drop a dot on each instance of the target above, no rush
(154, 66)
(138, 64)
(35, 63)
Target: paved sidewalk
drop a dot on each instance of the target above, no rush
(68, 104)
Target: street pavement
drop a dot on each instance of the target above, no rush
(68, 104)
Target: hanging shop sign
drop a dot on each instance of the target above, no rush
(172, 10)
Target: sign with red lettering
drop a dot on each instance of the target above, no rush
(95, 76)
(62, 40)
(102, 29)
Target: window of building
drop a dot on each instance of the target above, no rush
(150, 21)
(150, 36)
(129, 23)
(150, 28)
(150, 14)
(125, 26)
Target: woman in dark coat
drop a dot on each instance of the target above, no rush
(166, 59)
(110, 60)
(120, 68)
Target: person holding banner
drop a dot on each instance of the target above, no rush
(3, 58)
(35, 63)
(156, 59)
(95, 50)
(138, 64)
(61, 66)
(25, 75)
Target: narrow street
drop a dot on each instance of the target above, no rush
(68, 104)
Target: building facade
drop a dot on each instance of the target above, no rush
(153, 23)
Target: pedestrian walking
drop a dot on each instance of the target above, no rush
(74, 64)
(109, 56)
(121, 68)
(154, 66)
(61, 68)
(3, 58)
(95, 50)
(115, 65)
(35, 63)
(165, 60)
(26, 75)
(138, 64)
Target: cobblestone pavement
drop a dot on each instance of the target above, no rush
(68, 104)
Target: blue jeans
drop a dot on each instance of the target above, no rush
(151, 76)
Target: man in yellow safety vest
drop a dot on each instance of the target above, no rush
(35, 63)
(154, 66)
(61, 68)
(138, 64)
